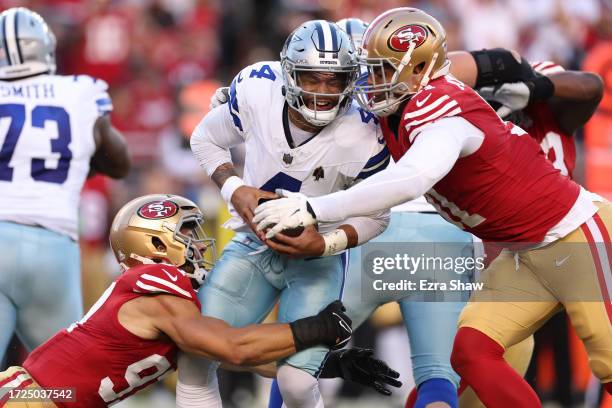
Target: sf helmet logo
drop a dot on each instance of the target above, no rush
(158, 209)
(403, 37)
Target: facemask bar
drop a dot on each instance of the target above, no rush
(197, 245)
(394, 92)
(295, 93)
(381, 96)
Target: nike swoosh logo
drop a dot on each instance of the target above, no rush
(343, 324)
(422, 101)
(173, 278)
(562, 261)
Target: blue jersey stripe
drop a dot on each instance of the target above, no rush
(365, 174)
(380, 156)
(233, 104)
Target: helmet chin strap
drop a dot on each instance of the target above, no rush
(142, 259)
(405, 61)
(425, 79)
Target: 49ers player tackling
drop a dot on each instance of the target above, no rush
(132, 335)
(489, 178)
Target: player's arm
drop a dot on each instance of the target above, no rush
(221, 129)
(576, 97)
(251, 345)
(432, 155)
(111, 156)
(487, 67)
(572, 95)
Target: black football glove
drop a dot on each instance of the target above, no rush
(358, 365)
(330, 327)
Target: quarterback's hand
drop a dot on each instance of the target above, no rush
(308, 243)
(245, 200)
(512, 96)
(331, 327)
(288, 212)
(358, 365)
(220, 97)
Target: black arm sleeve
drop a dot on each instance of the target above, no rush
(498, 66)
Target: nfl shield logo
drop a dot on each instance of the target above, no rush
(287, 158)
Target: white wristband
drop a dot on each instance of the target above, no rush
(335, 241)
(230, 185)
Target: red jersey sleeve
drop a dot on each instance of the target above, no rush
(433, 102)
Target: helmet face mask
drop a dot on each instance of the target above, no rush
(28, 45)
(403, 50)
(200, 254)
(383, 92)
(318, 47)
(163, 229)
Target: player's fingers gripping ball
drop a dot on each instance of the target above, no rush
(288, 212)
(290, 232)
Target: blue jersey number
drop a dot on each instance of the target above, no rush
(366, 116)
(264, 72)
(284, 181)
(40, 115)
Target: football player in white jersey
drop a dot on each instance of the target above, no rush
(53, 131)
(417, 224)
(302, 133)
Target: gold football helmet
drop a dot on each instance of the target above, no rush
(403, 49)
(163, 228)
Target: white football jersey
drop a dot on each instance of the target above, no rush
(347, 150)
(46, 144)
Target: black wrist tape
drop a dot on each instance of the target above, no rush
(308, 332)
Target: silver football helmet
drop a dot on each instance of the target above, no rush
(318, 46)
(27, 44)
(355, 28)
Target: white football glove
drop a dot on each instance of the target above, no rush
(512, 96)
(288, 212)
(220, 97)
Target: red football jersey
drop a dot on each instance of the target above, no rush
(505, 191)
(558, 146)
(97, 356)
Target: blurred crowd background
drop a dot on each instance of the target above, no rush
(163, 59)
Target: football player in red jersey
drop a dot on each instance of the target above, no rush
(483, 175)
(552, 118)
(545, 100)
(131, 337)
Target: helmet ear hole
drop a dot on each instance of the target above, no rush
(158, 244)
(419, 68)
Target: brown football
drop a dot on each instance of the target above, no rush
(290, 232)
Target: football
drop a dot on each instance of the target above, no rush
(290, 232)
